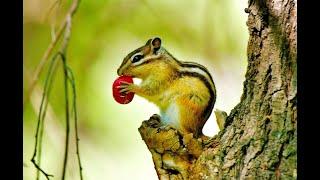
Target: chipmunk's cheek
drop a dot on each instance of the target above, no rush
(128, 72)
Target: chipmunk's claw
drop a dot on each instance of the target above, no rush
(125, 87)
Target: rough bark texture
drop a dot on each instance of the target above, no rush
(259, 138)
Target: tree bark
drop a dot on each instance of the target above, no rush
(259, 139)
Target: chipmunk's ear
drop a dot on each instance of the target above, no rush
(156, 44)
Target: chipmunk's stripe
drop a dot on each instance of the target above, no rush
(199, 68)
(135, 52)
(199, 71)
(146, 60)
(208, 84)
(125, 62)
(194, 67)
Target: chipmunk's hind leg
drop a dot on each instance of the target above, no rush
(191, 107)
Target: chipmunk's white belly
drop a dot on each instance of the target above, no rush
(171, 116)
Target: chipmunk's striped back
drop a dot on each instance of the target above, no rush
(199, 71)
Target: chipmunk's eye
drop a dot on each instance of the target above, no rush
(136, 58)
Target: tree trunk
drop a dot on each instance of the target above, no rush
(259, 139)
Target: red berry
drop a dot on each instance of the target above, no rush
(122, 98)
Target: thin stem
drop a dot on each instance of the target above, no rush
(72, 81)
(43, 172)
(47, 83)
(49, 50)
(41, 65)
(65, 68)
(39, 150)
(55, 3)
(66, 28)
(67, 117)
(50, 77)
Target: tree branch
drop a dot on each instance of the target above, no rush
(174, 154)
(260, 134)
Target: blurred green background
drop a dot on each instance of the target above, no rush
(212, 33)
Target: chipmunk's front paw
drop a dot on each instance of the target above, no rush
(126, 87)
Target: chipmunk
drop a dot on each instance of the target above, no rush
(184, 91)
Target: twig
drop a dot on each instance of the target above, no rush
(43, 172)
(48, 89)
(49, 50)
(55, 3)
(67, 117)
(67, 34)
(53, 30)
(50, 80)
(72, 81)
(62, 53)
(40, 149)
(65, 69)
(47, 83)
